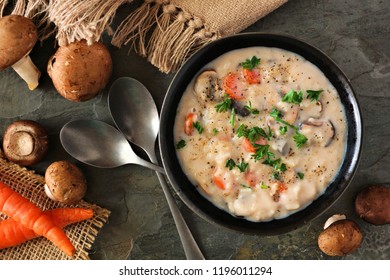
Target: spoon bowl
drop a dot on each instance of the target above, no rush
(100, 145)
(135, 114)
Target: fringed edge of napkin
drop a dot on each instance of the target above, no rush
(164, 33)
(90, 20)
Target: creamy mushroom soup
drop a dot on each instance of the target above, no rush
(261, 132)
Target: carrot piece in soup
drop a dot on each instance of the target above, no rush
(218, 182)
(281, 187)
(232, 85)
(249, 147)
(252, 76)
(188, 124)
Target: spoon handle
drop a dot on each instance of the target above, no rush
(149, 165)
(191, 248)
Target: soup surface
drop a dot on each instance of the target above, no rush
(261, 132)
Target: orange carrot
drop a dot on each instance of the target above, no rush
(218, 182)
(13, 233)
(29, 215)
(281, 187)
(252, 76)
(233, 86)
(189, 123)
(249, 147)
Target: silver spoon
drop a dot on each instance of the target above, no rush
(99, 144)
(135, 114)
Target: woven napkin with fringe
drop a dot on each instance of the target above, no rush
(166, 32)
(81, 234)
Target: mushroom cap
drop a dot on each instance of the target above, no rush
(318, 131)
(80, 71)
(206, 86)
(65, 182)
(18, 36)
(25, 142)
(340, 238)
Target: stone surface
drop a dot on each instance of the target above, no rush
(355, 34)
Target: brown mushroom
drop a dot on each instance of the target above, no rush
(340, 238)
(65, 182)
(18, 36)
(25, 142)
(372, 204)
(318, 131)
(80, 71)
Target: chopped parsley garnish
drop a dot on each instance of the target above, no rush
(294, 97)
(250, 63)
(232, 117)
(181, 144)
(254, 133)
(251, 109)
(198, 127)
(215, 131)
(242, 166)
(230, 164)
(299, 139)
(241, 131)
(264, 186)
(270, 134)
(313, 95)
(225, 105)
(261, 152)
(283, 130)
(275, 175)
(277, 115)
(300, 175)
(276, 164)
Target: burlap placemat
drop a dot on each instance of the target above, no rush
(31, 185)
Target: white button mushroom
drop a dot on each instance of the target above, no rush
(80, 71)
(18, 36)
(65, 182)
(25, 142)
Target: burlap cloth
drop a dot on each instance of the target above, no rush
(166, 32)
(31, 185)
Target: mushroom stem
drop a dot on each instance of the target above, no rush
(28, 72)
